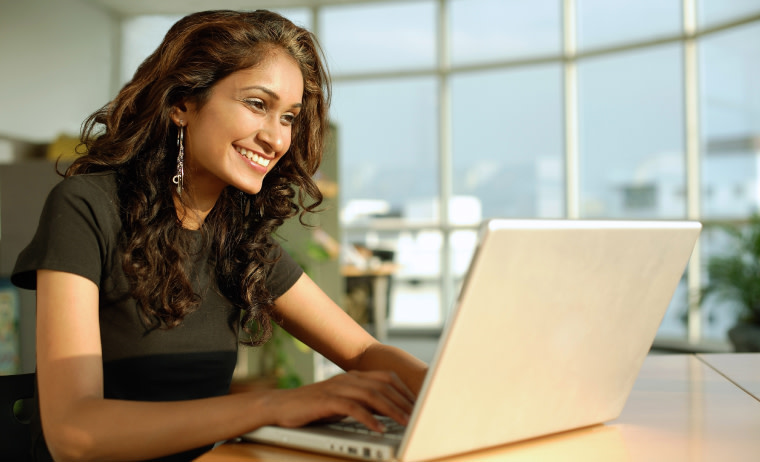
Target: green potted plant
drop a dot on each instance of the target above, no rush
(734, 277)
(276, 361)
(279, 356)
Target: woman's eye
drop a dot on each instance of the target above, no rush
(256, 103)
(288, 119)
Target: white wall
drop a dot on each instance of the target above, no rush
(57, 66)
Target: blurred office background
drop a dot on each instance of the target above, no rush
(449, 112)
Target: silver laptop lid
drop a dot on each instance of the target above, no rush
(551, 327)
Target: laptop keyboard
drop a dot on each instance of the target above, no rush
(393, 429)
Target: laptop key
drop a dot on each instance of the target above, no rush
(394, 430)
(347, 427)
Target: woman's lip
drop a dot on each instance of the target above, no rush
(256, 167)
(253, 157)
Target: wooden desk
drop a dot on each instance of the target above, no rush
(683, 410)
(741, 368)
(680, 410)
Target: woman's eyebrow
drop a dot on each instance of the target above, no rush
(269, 92)
(266, 90)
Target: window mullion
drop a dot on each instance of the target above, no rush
(445, 156)
(693, 179)
(570, 72)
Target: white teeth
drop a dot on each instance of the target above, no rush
(252, 156)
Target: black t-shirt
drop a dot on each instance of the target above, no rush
(78, 233)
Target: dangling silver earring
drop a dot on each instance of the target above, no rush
(177, 179)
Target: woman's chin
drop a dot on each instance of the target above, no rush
(250, 188)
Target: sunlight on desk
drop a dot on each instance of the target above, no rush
(680, 410)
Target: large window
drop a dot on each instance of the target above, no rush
(730, 140)
(528, 109)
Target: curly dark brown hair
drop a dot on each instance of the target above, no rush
(134, 136)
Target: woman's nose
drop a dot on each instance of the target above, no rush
(272, 135)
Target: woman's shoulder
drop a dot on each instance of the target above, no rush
(91, 193)
(100, 182)
(90, 188)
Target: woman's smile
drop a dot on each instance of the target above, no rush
(257, 159)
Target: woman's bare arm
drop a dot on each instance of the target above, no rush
(79, 424)
(312, 317)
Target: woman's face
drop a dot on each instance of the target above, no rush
(244, 127)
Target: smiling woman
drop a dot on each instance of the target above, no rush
(239, 133)
(157, 249)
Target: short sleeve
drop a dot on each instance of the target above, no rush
(74, 232)
(283, 274)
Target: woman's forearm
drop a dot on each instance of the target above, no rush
(101, 429)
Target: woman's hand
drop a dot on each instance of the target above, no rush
(353, 394)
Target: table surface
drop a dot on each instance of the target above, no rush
(681, 409)
(743, 369)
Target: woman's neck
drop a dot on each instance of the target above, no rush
(192, 211)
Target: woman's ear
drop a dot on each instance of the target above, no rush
(179, 114)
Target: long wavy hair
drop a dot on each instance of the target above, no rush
(133, 135)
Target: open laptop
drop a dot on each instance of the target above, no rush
(552, 324)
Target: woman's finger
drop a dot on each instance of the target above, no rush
(379, 395)
(393, 379)
(393, 386)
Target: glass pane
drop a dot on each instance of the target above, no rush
(489, 30)
(602, 23)
(730, 96)
(387, 144)
(631, 135)
(507, 135)
(140, 37)
(416, 298)
(300, 16)
(379, 36)
(462, 244)
(712, 12)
